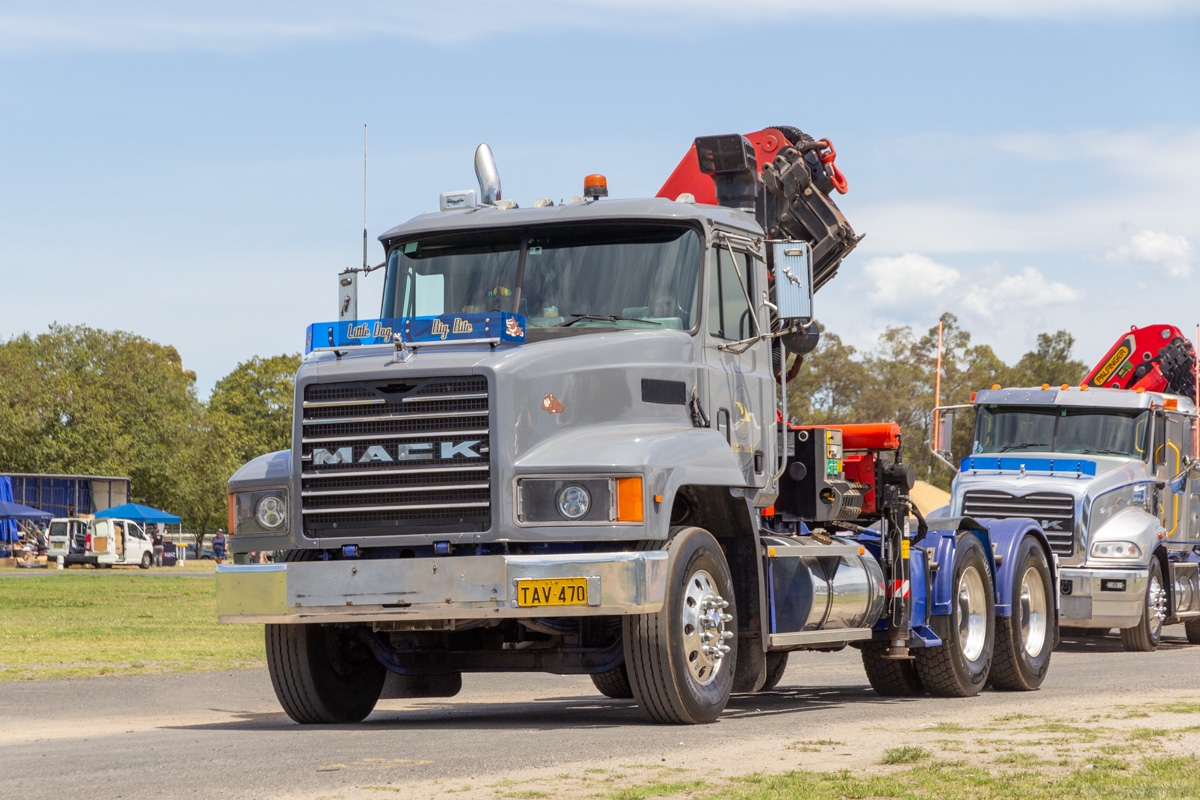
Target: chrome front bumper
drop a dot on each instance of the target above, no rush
(1091, 606)
(463, 587)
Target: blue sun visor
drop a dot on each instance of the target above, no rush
(496, 327)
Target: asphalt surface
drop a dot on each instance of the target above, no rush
(222, 734)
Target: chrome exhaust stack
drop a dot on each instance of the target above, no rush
(485, 172)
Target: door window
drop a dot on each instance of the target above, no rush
(728, 312)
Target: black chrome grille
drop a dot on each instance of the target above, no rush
(394, 457)
(1054, 512)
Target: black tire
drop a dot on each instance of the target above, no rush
(147, 560)
(1025, 640)
(614, 683)
(1145, 636)
(321, 673)
(776, 666)
(673, 679)
(890, 677)
(1192, 628)
(959, 667)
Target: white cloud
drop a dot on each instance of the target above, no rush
(1163, 252)
(220, 24)
(1054, 208)
(911, 284)
(908, 279)
(1027, 289)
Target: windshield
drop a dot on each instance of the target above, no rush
(1090, 431)
(627, 276)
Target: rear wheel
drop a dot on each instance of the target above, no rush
(1025, 639)
(959, 667)
(890, 677)
(1192, 628)
(681, 660)
(776, 666)
(614, 683)
(1144, 637)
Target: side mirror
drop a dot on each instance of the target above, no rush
(347, 296)
(1179, 483)
(793, 280)
(943, 436)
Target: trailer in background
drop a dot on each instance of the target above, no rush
(70, 495)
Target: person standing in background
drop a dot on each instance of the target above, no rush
(219, 546)
(157, 539)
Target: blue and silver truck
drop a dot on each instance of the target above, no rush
(1109, 474)
(560, 447)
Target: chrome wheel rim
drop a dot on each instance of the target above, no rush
(1033, 611)
(1156, 599)
(972, 624)
(703, 627)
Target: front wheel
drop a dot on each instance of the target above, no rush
(1144, 637)
(681, 660)
(1025, 639)
(147, 560)
(959, 667)
(322, 673)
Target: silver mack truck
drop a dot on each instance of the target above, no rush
(559, 448)
(1110, 474)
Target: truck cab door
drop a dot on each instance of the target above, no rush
(739, 386)
(1170, 447)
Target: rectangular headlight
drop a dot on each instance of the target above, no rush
(579, 501)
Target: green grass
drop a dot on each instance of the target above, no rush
(85, 622)
(905, 755)
(1101, 779)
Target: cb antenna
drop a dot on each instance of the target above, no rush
(364, 197)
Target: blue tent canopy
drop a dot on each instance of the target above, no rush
(140, 513)
(11, 510)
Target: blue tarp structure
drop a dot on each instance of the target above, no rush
(8, 528)
(139, 513)
(10, 510)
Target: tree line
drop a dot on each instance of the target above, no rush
(81, 401)
(895, 381)
(78, 400)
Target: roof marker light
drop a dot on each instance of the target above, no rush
(595, 186)
(1045, 386)
(1141, 390)
(1065, 387)
(995, 386)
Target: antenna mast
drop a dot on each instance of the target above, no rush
(364, 197)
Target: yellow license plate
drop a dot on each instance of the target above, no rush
(552, 592)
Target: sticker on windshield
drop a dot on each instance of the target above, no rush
(551, 404)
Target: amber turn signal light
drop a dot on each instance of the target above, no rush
(629, 500)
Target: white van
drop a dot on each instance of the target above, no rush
(101, 542)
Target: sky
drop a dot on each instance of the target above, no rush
(193, 172)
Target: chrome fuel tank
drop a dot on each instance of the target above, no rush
(816, 586)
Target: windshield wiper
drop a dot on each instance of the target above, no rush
(1104, 451)
(1008, 447)
(605, 318)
